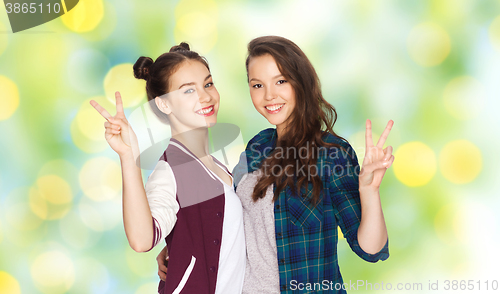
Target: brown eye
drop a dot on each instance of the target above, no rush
(256, 86)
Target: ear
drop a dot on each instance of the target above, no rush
(162, 105)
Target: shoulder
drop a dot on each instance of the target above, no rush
(343, 146)
(341, 154)
(263, 137)
(261, 144)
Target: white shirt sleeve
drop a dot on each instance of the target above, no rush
(161, 190)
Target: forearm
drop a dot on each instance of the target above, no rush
(372, 231)
(137, 218)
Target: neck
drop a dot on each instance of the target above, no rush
(195, 140)
(280, 130)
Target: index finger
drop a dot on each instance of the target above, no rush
(368, 134)
(101, 110)
(119, 103)
(385, 134)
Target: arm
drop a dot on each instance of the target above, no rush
(137, 218)
(372, 232)
(137, 215)
(350, 210)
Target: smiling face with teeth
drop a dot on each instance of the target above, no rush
(272, 95)
(193, 100)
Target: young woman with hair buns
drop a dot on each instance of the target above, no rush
(189, 199)
(300, 181)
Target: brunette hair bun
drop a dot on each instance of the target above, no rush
(142, 67)
(183, 46)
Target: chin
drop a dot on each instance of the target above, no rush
(210, 123)
(275, 122)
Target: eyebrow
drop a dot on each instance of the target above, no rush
(275, 77)
(192, 83)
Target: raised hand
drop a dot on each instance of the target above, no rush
(377, 160)
(119, 134)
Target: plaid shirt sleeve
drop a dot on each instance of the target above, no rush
(344, 191)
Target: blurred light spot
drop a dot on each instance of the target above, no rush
(428, 44)
(52, 51)
(464, 97)
(102, 216)
(1, 232)
(107, 25)
(63, 169)
(121, 78)
(85, 16)
(100, 179)
(51, 198)
(9, 101)
(147, 288)
(19, 215)
(414, 164)
(90, 123)
(460, 161)
(54, 189)
(199, 28)
(494, 33)
(143, 263)
(75, 233)
(450, 222)
(87, 129)
(8, 284)
(86, 69)
(93, 277)
(53, 272)
(196, 22)
(4, 40)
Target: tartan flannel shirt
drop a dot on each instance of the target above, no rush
(306, 236)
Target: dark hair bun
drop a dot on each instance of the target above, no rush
(142, 67)
(183, 46)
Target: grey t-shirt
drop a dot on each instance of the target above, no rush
(262, 271)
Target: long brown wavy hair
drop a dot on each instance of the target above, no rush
(309, 121)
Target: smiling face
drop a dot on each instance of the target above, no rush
(193, 100)
(272, 95)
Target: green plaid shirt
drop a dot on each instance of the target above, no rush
(306, 236)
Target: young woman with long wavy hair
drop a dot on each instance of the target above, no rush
(300, 181)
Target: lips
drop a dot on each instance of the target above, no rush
(206, 111)
(274, 108)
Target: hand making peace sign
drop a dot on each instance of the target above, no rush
(377, 160)
(119, 133)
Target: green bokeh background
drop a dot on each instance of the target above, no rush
(431, 66)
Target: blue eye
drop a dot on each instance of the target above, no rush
(281, 82)
(209, 85)
(189, 91)
(256, 86)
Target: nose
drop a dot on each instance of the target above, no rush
(204, 96)
(270, 94)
